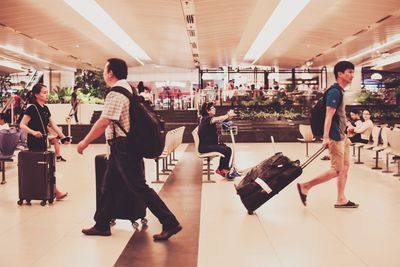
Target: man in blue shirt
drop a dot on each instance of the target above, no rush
(334, 138)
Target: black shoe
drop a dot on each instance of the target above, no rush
(59, 158)
(165, 234)
(94, 231)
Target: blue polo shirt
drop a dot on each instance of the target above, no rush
(333, 99)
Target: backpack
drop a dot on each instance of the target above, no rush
(147, 136)
(318, 112)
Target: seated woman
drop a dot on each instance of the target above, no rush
(208, 136)
(362, 131)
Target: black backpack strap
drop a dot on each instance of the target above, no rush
(125, 92)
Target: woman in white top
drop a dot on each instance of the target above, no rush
(362, 131)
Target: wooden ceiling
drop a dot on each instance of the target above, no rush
(324, 32)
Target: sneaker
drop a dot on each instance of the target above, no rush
(60, 158)
(222, 172)
(233, 174)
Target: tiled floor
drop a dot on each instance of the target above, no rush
(281, 233)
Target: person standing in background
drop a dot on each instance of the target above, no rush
(75, 104)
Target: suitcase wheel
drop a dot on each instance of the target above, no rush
(20, 202)
(51, 201)
(135, 225)
(112, 222)
(250, 212)
(144, 221)
(28, 202)
(43, 203)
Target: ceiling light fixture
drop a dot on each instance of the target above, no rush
(11, 65)
(393, 58)
(393, 40)
(96, 15)
(283, 15)
(19, 51)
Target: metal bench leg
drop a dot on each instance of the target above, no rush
(307, 149)
(387, 165)
(354, 151)
(376, 162)
(398, 168)
(208, 172)
(157, 181)
(3, 172)
(358, 160)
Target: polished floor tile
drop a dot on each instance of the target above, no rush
(281, 233)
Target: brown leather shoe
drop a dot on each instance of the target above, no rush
(94, 231)
(165, 234)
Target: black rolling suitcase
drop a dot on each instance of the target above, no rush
(126, 206)
(268, 178)
(36, 176)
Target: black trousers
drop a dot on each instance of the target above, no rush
(75, 110)
(126, 168)
(357, 139)
(223, 149)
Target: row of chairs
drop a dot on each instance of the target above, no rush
(173, 139)
(390, 145)
(8, 144)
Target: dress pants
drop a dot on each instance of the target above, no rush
(128, 169)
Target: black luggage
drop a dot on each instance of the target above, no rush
(268, 178)
(36, 176)
(126, 205)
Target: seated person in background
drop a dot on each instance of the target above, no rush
(208, 136)
(147, 95)
(3, 124)
(362, 131)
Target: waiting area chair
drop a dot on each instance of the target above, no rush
(306, 132)
(205, 156)
(394, 142)
(8, 143)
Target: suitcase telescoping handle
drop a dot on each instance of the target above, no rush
(314, 156)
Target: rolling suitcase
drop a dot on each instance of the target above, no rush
(126, 205)
(36, 176)
(268, 178)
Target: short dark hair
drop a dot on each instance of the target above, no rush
(36, 89)
(118, 67)
(205, 108)
(342, 66)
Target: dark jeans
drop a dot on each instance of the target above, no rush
(223, 149)
(126, 168)
(75, 110)
(357, 139)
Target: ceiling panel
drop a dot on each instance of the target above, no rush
(226, 29)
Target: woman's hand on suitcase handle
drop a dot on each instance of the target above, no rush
(37, 134)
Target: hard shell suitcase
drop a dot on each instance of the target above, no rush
(36, 176)
(126, 205)
(268, 178)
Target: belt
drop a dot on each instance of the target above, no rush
(116, 140)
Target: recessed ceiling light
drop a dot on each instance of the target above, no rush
(96, 15)
(283, 15)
